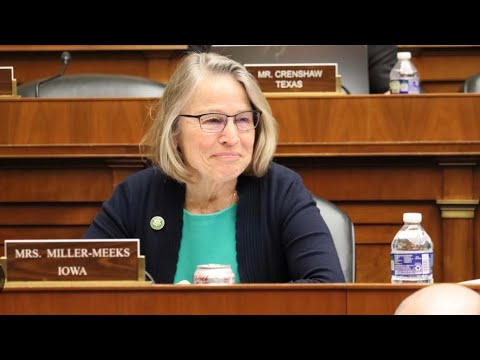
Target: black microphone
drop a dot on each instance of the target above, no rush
(65, 57)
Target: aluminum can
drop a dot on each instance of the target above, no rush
(214, 274)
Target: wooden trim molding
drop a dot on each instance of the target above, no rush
(458, 209)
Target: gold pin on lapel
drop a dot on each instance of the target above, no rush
(157, 223)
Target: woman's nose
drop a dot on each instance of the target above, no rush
(230, 132)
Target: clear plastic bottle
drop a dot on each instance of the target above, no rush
(404, 75)
(411, 257)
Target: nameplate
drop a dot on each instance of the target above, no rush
(72, 260)
(296, 77)
(8, 84)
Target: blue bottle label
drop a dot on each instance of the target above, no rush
(413, 86)
(411, 264)
(408, 86)
(404, 86)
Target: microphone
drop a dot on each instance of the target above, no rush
(149, 277)
(65, 57)
(344, 88)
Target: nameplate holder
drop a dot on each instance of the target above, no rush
(296, 78)
(8, 83)
(73, 260)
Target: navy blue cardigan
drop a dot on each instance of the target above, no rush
(280, 234)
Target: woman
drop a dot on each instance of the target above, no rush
(213, 194)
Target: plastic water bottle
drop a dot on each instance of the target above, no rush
(404, 76)
(411, 256)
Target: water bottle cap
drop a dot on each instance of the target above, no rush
(412, 218)
(404, 55)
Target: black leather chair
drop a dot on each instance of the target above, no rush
(342, 230)
(472, 84)
(93, 86)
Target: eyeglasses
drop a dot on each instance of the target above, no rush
(215, 122)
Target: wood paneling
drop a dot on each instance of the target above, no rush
(33, 62)
(54, 185)
(376, 299)
(20, 214)
(374, 156)
(178, 300)
(444, 68)
(242, 299)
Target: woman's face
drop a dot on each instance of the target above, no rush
(222, 156)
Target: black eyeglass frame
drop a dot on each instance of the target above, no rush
(257, 120)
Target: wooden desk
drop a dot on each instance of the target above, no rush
(251, 299)
(33, 62)
(375, 156)
(444, 68)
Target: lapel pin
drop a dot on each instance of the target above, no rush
(157, 223)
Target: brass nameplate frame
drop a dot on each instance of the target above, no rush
(311, 78)
(74, 260)
(8, 83)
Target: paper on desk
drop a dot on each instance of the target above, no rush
(474, 281)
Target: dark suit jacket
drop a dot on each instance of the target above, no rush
(381, 59)
(280, 234)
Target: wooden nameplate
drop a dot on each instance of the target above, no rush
(90, 262)
(296, 78)
(8, 83)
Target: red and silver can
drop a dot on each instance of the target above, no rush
(214, 274)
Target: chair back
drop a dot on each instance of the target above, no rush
(342, 230)
(472, 84)
(93, 86)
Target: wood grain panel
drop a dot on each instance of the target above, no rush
(375, 234)
(378, 118)
(240, 299)
(47, 214)
(444, 68)
(50, 121)
(389, 213)
(442, 86)
(179, 300)
(377, 299)
(458, 256)
(368, 125)
(55, 185)
(34, 62)
(373, 263)
(457, 182)
(386, 183)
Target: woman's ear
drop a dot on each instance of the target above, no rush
(176, 142)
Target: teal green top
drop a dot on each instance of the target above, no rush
(207, 239)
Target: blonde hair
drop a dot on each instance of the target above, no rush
(159, 143)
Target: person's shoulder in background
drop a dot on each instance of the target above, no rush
(381, 60)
